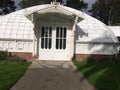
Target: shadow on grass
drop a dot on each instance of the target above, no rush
(104, 76)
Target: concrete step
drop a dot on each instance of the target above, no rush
(51, 64)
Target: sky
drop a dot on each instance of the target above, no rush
(17, 4)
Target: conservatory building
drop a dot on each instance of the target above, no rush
(55, 32)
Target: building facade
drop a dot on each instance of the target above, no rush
(55, 32)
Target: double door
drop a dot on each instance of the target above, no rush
(53, 43)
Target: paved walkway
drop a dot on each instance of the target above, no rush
(46, 75)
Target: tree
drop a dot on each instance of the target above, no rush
(76, 4)
(107, 11)
(7, 6)
(29, 3)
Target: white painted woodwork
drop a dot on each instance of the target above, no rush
(53, 53)
(89, 36)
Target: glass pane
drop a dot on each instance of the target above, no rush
(42, 38)
(64, 43)
(57, 43)
(42, 32)
(50, 31)
(60, 43)
(50, 43)
(46, 37)
(65, 32)
(61, 34)
(57, 32)
(61, 30)
(42, 43)
(46, 33)
(46, 45)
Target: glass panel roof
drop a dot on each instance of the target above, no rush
(16, 26)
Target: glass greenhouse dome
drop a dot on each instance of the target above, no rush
(22, 32)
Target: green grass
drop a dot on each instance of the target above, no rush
(104, 76)
(10, 72)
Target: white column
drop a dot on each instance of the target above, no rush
(34, 38)
(73, 36)
(34, 45)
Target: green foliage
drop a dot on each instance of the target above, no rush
(76, 4)
(116, 24)
(10, 72)
(16, 59)
(104, 60)
(29, 3)
(89, 60)
(107, 11)
(104, 76)
(11, 69)
(3, 55)
(7, 6)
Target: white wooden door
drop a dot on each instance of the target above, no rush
(53, 43)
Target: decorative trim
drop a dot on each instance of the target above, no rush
(59, 8)
(16, 40)
(55, 3)
(98, 42)
(54, 17)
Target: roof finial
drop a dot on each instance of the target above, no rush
(55, 2)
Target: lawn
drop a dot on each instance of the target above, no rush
(10, 72)
(104, 76)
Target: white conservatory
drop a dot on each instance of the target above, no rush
(55, 32)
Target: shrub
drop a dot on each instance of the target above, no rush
(106, 60)
(116, 59)
(3, 55)
(102, 60)
(16, 59)
(90, 60)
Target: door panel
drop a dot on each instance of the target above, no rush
(53, 43)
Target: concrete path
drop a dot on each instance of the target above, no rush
(46, 75)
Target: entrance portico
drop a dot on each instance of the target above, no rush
(54, 35)
(53, 43)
